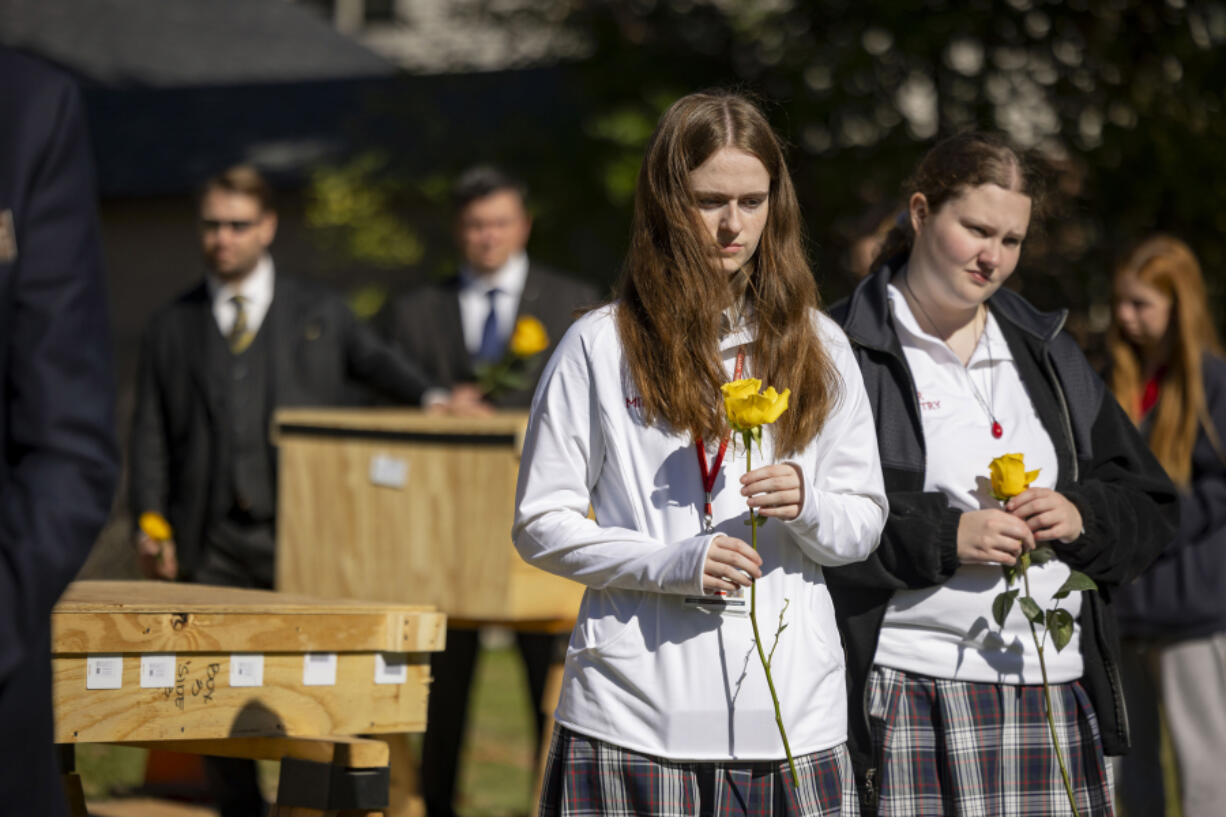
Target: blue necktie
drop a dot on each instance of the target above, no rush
(491, 341)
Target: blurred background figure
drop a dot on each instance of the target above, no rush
(866, 236)
(1168, 372)
(215, 364)
(60, 460)
(465, 322)
(457, 329)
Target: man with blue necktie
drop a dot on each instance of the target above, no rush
(453, 330)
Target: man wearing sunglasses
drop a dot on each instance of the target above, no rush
(215, 364)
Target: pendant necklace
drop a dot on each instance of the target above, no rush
(998, 431)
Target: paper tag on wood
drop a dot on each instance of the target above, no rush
(246, 670)
(319, 669)
(389, 471)
(157, 671)
(104, 672)
(391, 667)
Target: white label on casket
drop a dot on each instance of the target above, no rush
(157, 670)
(388, 471)
(246, 670)
(391, 667)
(319, 669)
(104, 672)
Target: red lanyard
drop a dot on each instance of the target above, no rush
(708, 476)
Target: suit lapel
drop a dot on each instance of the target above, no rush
(199, 329)
(530, 298)
(280, 323)
(451, 333)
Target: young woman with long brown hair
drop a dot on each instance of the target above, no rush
(949, 712)
(664, 707)
(1168, 372)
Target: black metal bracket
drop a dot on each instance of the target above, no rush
(310, 784)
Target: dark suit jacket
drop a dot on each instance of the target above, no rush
(57, 395)
(425, 325)
(321, 356)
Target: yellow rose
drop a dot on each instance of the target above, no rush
(155, 526)
(739, 389)
(1009, 476)
(747, 409)
(529, 337)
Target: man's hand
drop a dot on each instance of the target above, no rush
(465, 400)
(156, 558)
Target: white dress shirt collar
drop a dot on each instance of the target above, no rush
(508, 280)
(256, 289)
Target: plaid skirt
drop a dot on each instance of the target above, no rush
(981, 750)
(585, 777)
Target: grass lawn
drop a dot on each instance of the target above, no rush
(497, 767)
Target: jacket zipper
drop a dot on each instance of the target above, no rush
(1113, 672)
(1064, 412)
(870, 774)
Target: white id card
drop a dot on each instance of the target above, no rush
(720, 603)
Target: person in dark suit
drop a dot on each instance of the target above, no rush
(453, 328)
(60, 462)
(214, 365)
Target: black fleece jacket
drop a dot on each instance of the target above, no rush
(1127, 503)
(1183, 594)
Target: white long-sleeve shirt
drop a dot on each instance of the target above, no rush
(646, 670)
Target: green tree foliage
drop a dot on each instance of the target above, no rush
(1124, 98)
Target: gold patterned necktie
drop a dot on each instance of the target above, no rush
(240, 336)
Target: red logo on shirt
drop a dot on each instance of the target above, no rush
(927, 405)
(634, 402)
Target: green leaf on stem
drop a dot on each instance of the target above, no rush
(1060, 625)
(1001, 606)
(1075, 582)
(1012, 572)
(1042, 554)
(1031, 609)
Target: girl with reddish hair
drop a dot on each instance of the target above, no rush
(1168, 372)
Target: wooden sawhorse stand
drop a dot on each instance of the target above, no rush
(248, 674)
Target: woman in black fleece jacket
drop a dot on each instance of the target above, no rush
(1108, 510)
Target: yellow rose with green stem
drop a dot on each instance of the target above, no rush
(748, 409)
(1009, 478)
(528, 339)
(155, 526)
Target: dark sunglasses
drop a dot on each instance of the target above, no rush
(214, 224)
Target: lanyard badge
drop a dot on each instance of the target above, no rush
(720, 601)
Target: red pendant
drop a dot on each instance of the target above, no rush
(997, 431)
